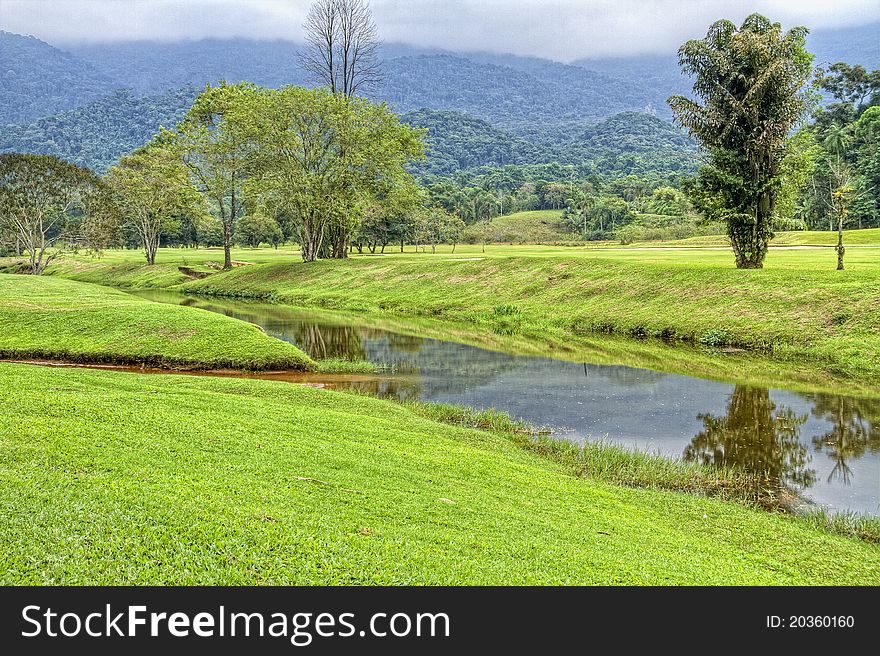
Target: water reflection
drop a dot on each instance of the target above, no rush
(757, 435)
(855, 431)
(826, 445)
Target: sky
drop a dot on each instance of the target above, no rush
(557, 29)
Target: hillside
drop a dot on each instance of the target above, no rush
(148, 67)
(632, 143)
(502, 95)
(459, 141)
(38, 80)
(99, 133)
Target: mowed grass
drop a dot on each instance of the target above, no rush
(56, 319)
(116, 478)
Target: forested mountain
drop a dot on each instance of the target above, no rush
(624, 144)
(38, 80)
(547, 93)
(99, 133)
(632, 143)
(525, 90)
(482, 109)
(459, 141)
(150, 67)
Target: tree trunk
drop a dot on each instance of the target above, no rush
(840, 249)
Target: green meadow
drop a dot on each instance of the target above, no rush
(120, 478)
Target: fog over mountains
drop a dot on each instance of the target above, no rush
(70, 102)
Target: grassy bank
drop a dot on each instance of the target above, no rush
(124, 478)
(798, 310)
(56, 319)
(827, 317)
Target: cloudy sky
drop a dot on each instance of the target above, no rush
(559, 29)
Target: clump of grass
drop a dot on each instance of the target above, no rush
(489, 419)
(343, 366)
(850, 524)
(715, 338)
(506, 319)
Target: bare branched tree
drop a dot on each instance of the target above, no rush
(342, 46)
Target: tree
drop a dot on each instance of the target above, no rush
(257, 228)
(750, 82)
(150, 190)
(852, 85)
(342, 46)
(44, 206)
(844, 188)
(214, 140)
(438, 226)
(324, 159)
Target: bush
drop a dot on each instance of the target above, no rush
(715, 338)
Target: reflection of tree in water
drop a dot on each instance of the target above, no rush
(322, 342)
(756, 436)
(855, 430)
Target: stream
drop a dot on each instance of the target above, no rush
(825, 447)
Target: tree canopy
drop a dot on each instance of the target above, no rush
(750, 81)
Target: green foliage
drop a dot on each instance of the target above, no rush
(214, 138)
(437, 226)
(749, 80)
(324, 160)
(45, 207)
(150, 191)
(257, 228)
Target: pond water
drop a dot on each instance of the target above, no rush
(824, 446)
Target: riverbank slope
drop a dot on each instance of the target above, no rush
(48, 318)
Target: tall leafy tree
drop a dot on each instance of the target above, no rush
(323, 159)
(214, 139)
(750, 83)
(44, 203)
(151, 190)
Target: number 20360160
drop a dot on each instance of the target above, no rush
(811, 622)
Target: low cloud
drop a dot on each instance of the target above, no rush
(558, 29)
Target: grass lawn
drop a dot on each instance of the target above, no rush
(120, 478)
(56, 319)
